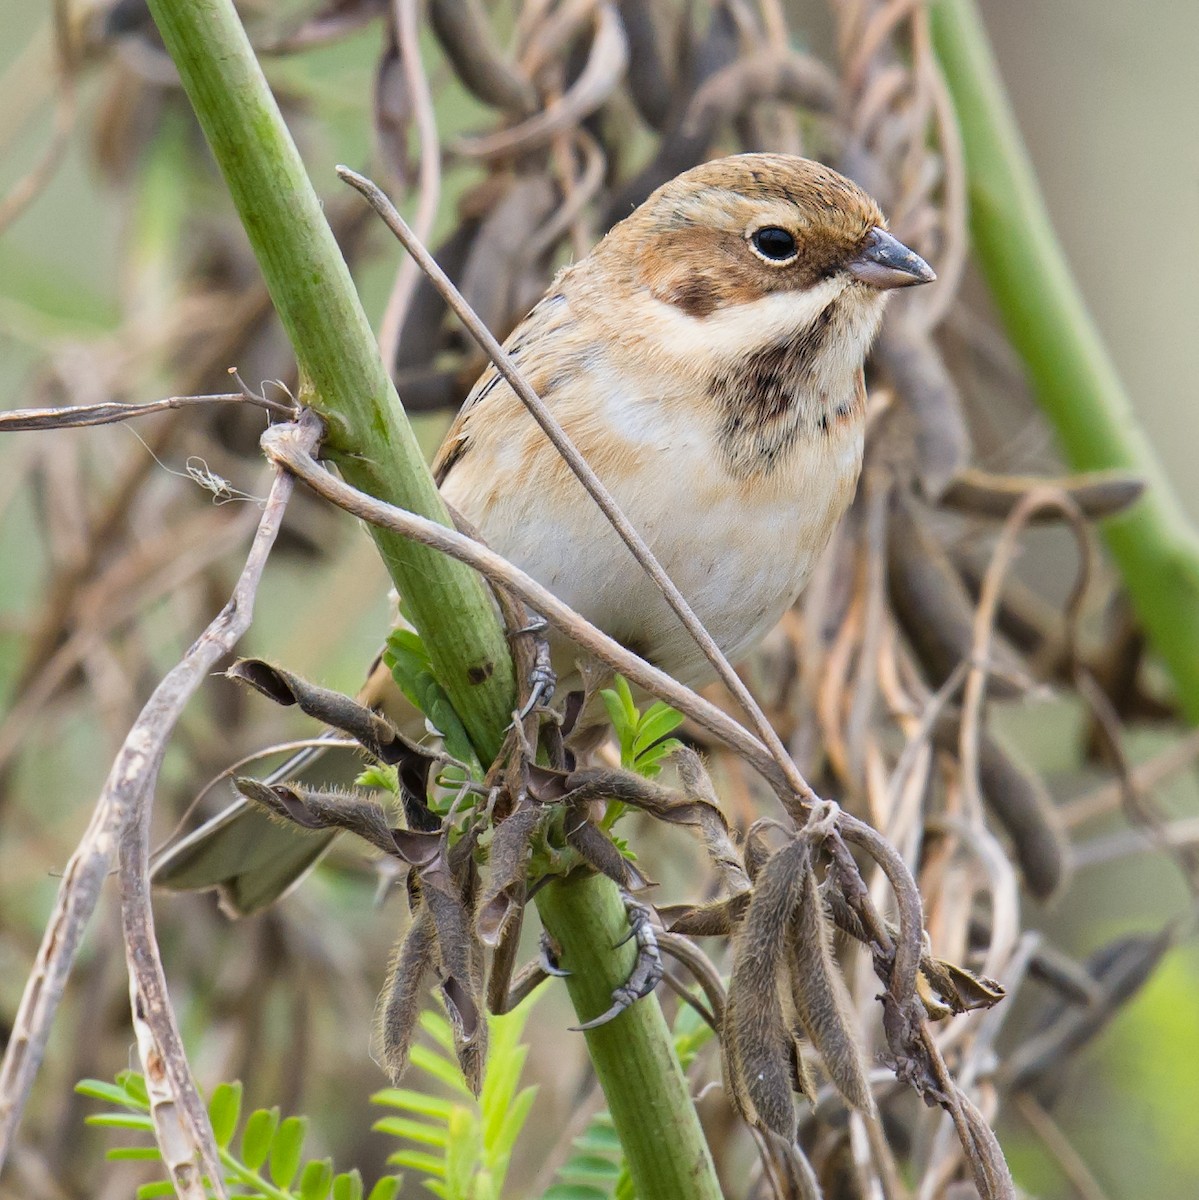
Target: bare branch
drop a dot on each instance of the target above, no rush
(121, 815)
(70, 416)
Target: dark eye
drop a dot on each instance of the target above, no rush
(774, 243)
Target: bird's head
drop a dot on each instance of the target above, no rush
(757, 248)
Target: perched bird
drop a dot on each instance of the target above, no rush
(706, 359)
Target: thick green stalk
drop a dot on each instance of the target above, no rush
(310, 284)
(647, 1094)
(1073, 377)
(373, 445)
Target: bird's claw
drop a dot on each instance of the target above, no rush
(647, 970)
(547, 958)
(542, 680)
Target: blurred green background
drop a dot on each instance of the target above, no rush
(1108, 97)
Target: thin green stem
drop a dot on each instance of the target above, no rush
(344, 377)
(1076, 384)
(371, 442)
(242, 1174)
(633, 1054)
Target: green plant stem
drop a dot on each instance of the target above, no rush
(373, 445)
(634, 1055)
(343, 376)
(1074, 379)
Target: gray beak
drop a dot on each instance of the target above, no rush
(885, 262)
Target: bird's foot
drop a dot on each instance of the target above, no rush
(647, 970)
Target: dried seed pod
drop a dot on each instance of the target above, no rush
(650, 79)
(796, 78)
(1121, 969)
(913, 364)
(400, 1002)
(422, 337)
(678, 150)
(499, 255)
(508, 862)
(466, 36)
(1097, 494)
(705, 920)
(311, 809)
(376, 734)
(391, 111)
(599, 77)
(932, 605)
(697, 807)
(756, 1041)
(600, 851)
(821, 999)
(1020, 803)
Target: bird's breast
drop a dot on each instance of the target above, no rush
(739, 545)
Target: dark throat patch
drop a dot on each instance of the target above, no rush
(769, 399)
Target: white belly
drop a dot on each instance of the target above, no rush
(739, 553)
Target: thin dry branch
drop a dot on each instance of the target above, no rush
(71, 416)
(122, 812)
(407, 32)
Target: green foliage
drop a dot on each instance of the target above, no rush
(464, 1145)
(408, 661)
(381, 777)
(643, 735)
(265, 1141)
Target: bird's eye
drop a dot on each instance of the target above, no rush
(774, 243)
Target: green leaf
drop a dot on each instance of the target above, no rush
(135, 1088)
(380, 776)
(316, 1179)
(434, 1107)
(504, 1139)
(386, 1189)
(410, 667)
(590, 1169)
(426, 1164)
(133, 1154)
(224, 1111)
(286, 1147)
(598, 1139)
(121, 1121)
(649, 761)
(574, 1191)
(152, 1191)
(348, 1186)
(414, 1131)
(463, 1155)
(449, 1073)
(257, 1135)
(438, 1028)
(97, 1089)
(656, 722)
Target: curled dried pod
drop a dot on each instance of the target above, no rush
(914, 366)
(651, 79)
(793, 77)
(933, 606)
(469, 43)
(600, 76)
(1096, 495)
(1020, 803)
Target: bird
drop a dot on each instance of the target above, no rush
(707, 359)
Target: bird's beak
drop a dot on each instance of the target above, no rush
(885, 262)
